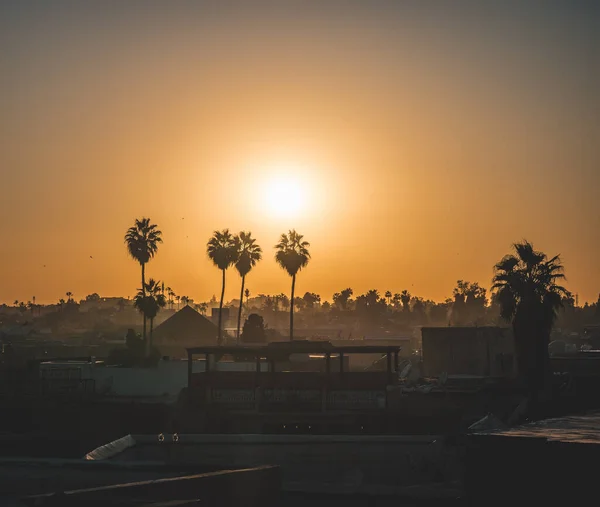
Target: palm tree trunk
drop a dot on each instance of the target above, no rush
(220, 337)
(240, 309)
(292, 309)
(144, 293)
(150, 340)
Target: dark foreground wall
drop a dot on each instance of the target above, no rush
(517, 471)
(248, 487)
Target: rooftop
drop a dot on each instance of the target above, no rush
(295, 347)
(582, 429)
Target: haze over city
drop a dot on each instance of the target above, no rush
(410, 142)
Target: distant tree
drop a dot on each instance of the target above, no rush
(397, 301)
(222, 250)
(529, 297)
(149, 302)
(268, 304)
(203, 308)
(311, 299)
(342, 299)
(142, 240)
(69, 297)
(418, 311)
(248, 254)
(292, 255)
(405, 298)
(254, 330)
(284, 301)
(439, 312)
(299, 303)
(16, 302)
(370, 307)
(469, 303)
(92, 297)
(388, 297)
(326, 306)
(247, 294)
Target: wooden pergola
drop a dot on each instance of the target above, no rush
(281, 351)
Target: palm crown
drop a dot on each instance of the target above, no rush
(222, 249)
(249, 253)
(528, 279)
(292, 252)
(142, 240)
(150, 299)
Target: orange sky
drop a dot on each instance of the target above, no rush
(428, 139)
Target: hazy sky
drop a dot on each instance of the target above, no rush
(425, 136)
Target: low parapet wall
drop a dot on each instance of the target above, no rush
(252, 487)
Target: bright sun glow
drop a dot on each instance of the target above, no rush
(285, 196)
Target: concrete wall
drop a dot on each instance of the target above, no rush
(165, 380)
(248, 488)
(481, 351)
(341, 463)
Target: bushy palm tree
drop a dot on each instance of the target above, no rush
(405, 298)
(142, 241)
(222, 250)
(148, 301)
(292, 255)
(526, 288)
(69, 297)
(248, 254)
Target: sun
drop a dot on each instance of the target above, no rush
(285, 196)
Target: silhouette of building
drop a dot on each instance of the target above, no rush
(187, 326)
(478, 351)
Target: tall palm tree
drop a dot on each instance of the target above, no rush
(248, 254)
(222, 250)
(247, 294)
(149, 301)
(526, 287)
(69, 297)
(292, 255)
(142, 241)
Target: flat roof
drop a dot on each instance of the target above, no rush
(295, 347)
(584, 428)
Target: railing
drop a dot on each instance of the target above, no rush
(282, 391)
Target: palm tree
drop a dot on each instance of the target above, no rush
(222, 250)
(16, 302)
(142, 241)
(388, 296)
(292, 255)
(525, 286)
(247, 294)
(248, 254)
(405, 298)
(178, 299)
(69, 297)
(149, 301)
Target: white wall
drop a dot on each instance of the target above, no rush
(165, 380)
